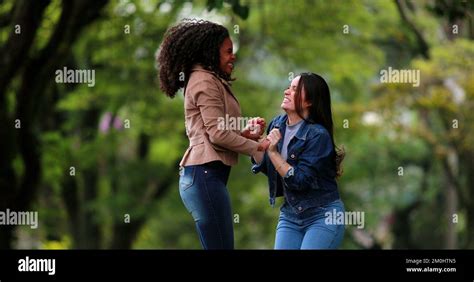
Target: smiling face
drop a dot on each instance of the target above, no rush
(288, 103)
(227, 56)
(290, 99)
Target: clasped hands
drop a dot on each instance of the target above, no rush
(255, 129)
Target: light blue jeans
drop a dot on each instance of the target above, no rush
(309, 230)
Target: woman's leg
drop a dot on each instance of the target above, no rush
(320, 234)
(288, 234)
(204, 193)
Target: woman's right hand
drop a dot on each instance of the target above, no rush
(273, 139)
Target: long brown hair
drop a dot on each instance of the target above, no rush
(318, 95)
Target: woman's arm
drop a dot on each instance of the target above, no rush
(304, 174)
(209, 101)
(279, 163)
(277, 160)
(259, 161)
(258, 157)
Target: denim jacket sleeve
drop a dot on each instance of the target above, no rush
(310, 162)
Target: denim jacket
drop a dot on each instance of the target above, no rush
(311, 183)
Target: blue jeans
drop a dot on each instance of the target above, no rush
(309, 230)
(204, 194)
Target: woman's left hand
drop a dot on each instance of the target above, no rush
(274, 137)
(254, 129)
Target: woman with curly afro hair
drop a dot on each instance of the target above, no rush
(198, 56)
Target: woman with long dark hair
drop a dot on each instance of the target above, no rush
(198, 56)
(302, 164)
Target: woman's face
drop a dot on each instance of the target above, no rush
(227, 56)
(288, 104)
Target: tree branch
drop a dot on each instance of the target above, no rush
(37, 75)
(28, 15)
(423, 47)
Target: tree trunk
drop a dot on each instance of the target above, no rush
(36, 77)
(27, 15)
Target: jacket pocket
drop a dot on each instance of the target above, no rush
(294, 154)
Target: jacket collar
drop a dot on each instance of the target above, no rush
(300, 134)
(199, 67)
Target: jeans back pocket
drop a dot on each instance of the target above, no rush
(186, 178)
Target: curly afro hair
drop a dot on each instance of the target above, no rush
(184, 45)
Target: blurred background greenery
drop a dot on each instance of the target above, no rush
(100, 164)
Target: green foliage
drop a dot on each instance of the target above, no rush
(381, 127)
